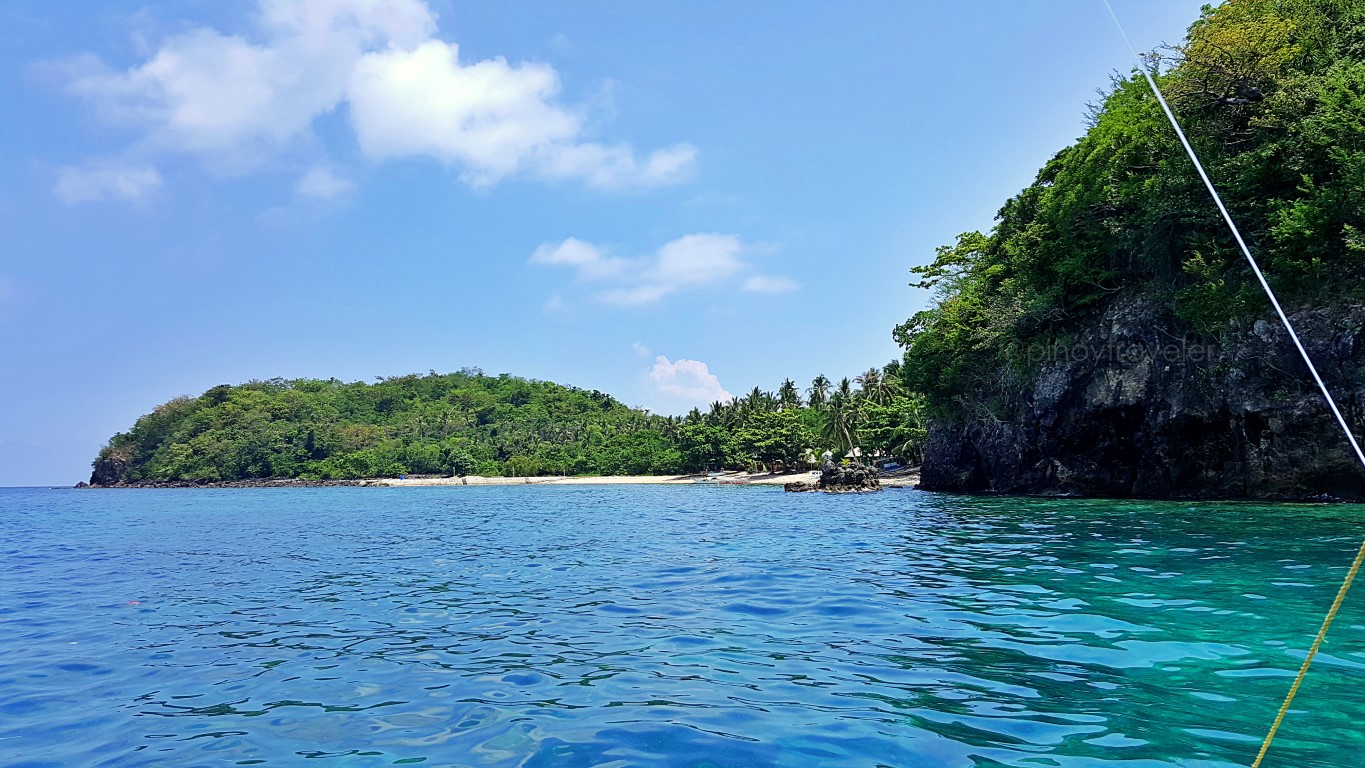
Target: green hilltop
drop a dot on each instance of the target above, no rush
(470, 423)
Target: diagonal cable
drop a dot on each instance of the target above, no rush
(1294, 336)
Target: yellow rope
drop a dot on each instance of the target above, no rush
(1313, 651)
(1293, 336)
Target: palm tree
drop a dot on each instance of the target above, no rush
(670, 425)
(845, 388)
(818, 394)
(731, 413)
(891, 378)
(878, 386)
(839, 423)
(758, 401)
(846, 413)
(869, 381)
(753, 402)
(787, 394)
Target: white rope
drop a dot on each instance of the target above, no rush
(1237, 234)
(1345, 428)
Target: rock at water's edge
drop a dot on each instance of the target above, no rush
(854, 478)
(1127, 410)
(109, 470)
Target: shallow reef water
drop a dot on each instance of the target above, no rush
(669, 626)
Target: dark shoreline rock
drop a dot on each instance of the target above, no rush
(286, 482)
(854, 478)
(109, 469)
(1143, 414)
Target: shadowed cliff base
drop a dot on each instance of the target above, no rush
(1127, 410)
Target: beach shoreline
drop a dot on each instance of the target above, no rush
(907, 478)
(899, 479)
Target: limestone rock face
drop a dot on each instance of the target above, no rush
(1126, 410)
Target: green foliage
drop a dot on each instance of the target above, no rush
(438, 424)
(872, 412)
(896, 428)
(704, 445)
(774, 436)
(469, 423)
(1272, 95)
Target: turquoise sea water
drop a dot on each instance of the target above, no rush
(678, 626)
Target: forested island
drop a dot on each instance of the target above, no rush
(471, 423)
(1104, 338)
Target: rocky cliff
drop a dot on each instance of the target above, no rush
(1123, 409)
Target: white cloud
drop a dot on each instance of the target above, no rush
(238, 101)
(640, 349)
(679, 386)
(698, 259)
(690, 262)
(616, 166)
(589, 260)
(106, 181)
(322, 183)
(487, 118)
(770, 284)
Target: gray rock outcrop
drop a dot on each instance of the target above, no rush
(852, 478)
(1127, 410)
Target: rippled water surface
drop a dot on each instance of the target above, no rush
(687, 626)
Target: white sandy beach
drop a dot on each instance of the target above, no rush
(898, 479)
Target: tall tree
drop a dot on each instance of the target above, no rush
(787, 395)
(818, 394)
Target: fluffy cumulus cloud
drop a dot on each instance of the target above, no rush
(238, 100)
(487, 118)
(693, 261)
(684, 384)
(106, 181)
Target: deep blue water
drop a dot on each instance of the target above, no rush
(677, 626)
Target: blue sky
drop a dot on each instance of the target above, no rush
(667, 202)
